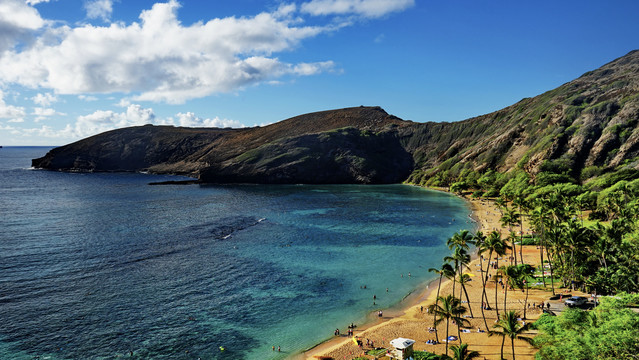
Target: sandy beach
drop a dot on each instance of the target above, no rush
(413, 321)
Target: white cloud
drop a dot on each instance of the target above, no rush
(45, 112)
(105, 120)
(190, 120)
(87, 98)
(101, 121)
(159, 59)
(13, 113)
(45, 99)
(99, 9)
(36, 2)
(364, 8)
(17, 20)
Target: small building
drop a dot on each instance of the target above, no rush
(403, 348)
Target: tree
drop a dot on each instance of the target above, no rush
(447, 271)
(521, 273)
(610, 331)
(461, 259)
(460, 242)
(509, 274)
(450, 308)
(510, 327)
(521, 204)
(494, 244)
(461, 352)
(509, 218)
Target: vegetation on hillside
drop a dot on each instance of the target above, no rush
(587, 229)
(610, 331)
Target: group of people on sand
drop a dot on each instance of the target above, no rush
(349, 332)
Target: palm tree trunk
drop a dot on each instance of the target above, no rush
(496, 304)
(436, 302)
(447, 320)
(541, 257)
(526, 300)
(552, 275)
(468, 300)
(505, 295)
(483, 289)
(512, 342)
(503, 339)
(521, 235)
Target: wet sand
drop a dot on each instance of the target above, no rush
(413, 323)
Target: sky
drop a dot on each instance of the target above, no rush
(70, 69)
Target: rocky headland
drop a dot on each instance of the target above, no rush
(590, 122)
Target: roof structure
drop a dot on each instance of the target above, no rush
(402, 343)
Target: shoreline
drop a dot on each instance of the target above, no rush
(403, 310)
(404, 306)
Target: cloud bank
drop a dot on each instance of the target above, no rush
(158, 58)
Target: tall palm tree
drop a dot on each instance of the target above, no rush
(508, 219)
(509, 274)
(459, 243)
(461, 239)
(461, 260)
(540, 219)
(463, 279)
(481, 243)
(520, 279)
(495, 244)
(449, 308)
(461, 352)
(520, 202)
(511, 328)
(445, 271)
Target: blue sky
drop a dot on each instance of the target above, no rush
(73, 68)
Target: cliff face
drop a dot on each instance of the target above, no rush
(591, 121)
(354, 145)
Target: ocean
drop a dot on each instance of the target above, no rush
(105, 266)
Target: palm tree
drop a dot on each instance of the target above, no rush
(509, 274)
(521, 280)
(461, 259)
(462, 239)
(510, 218)
(463, 279)
(461, 352)
(539, 220)
(510, 327)
(447, 271)
(460, 242)
(481, 243)
(450, 309)
(495, 244)
(519, 201)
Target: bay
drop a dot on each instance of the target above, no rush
(103, 266)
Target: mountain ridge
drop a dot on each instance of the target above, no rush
(589, 122)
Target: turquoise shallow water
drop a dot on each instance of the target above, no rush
(101, 266)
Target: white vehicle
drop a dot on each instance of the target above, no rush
(576, 301)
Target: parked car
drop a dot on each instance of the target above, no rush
(576, 301)
(557, 296)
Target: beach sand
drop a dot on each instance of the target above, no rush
(413, 323)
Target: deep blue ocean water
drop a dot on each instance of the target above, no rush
(104, 266)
